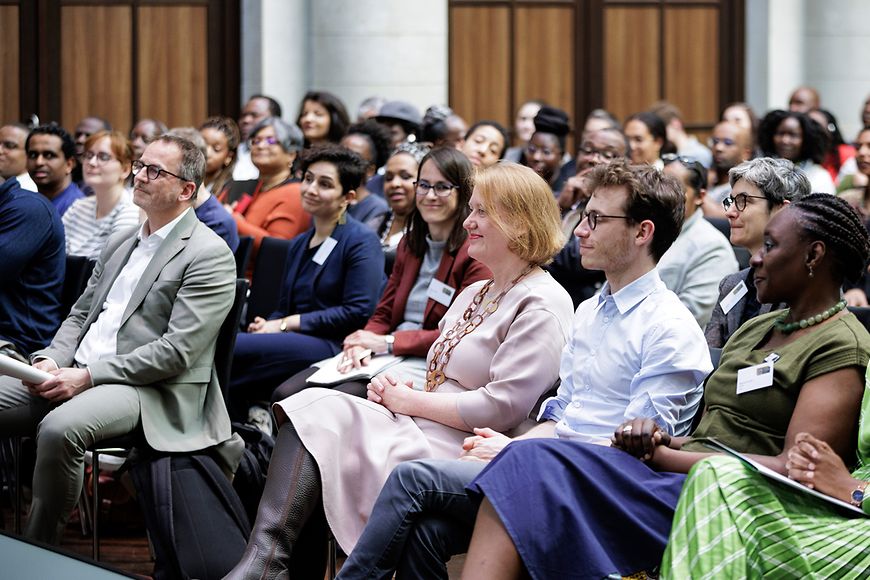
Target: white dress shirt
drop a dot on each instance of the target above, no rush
(101, 339)
(636, 353)
(26, 182)
(245, 168)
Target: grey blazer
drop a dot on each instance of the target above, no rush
(166, 341)
(721, 325)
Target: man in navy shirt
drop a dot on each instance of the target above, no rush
(51, 158)
(31, 270)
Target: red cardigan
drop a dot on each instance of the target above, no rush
(457, 270)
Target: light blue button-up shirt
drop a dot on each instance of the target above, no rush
(635, 353)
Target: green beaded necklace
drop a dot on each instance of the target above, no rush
(788, 327)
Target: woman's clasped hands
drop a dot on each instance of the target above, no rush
(385, 389)
(813, 463)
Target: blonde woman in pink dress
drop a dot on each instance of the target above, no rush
(498, 352)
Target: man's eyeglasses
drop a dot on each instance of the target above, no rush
(152, 171)
(442, 188)
(713, 141)
(101, 157)
(594, 216)
(738, 201)
(264, 140)
(603, 154)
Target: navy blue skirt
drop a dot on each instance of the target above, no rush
(576, 510)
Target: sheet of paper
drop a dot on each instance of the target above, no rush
(23, 372)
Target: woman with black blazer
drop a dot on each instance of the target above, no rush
(332, 283)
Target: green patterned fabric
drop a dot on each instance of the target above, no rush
(734, 523)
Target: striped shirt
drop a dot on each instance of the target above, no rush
(86, 235)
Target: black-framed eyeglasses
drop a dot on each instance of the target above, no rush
(698, 179)
(738, 201)
(152, 171)
(594, 216)
(602, 153)
(442, 188)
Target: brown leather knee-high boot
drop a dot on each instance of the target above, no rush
(291, 494)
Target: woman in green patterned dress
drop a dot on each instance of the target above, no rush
(731, 522)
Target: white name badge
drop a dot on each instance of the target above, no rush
(756, 377)
(440, 292)
(733, 297)
(323, 252)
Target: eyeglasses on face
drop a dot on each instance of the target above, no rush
(264, 140)
(593, 216)
(442, 188)
(589, 151)
(713, 141)
(101, 157)
(153, 171)
(739, 201)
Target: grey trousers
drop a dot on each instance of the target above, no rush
(63, 433)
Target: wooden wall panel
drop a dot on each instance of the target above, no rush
(172, 64)
(691, 63)
(480, 63)
(632, 59)
(9, 57)
(95, 65)
(545, 56)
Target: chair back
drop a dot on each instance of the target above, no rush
(268, 277)
(243, 255)
(226, 339)
(78, 271)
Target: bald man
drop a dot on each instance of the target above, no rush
(731, 146)
(803, 100)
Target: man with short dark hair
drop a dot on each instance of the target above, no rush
(255, 110)
(635, 351)
(13, 159)
(137, 350)
(51, 157)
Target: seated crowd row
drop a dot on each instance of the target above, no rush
(487, 266)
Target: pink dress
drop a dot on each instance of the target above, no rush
(499, 371)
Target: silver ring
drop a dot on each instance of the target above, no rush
(626, 430)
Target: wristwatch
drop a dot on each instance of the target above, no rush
(858, 494)
(283, 327)
(389, 339)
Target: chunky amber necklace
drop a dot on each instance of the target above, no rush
(464, 325)
(788, 327)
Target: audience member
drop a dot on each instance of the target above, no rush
(402, 119)
(524, 128)
(91, 221)
(838, 153)
(600, 120)
(332, 282)
(399, 175)
(617, 513)
(51, 157)
(701, 256)
(854, 188)
(432, 268)
(143, 132)
(546, 148)
(31, 270)
(85, 128)
(634, 350)
(803, 100)
(441, 127)
(137, 351)
(731, 521)
(485, 144)
(371, 141)
(207, 207)
(480, 372)
(322, 118)
(647, 138)
(270, 205)
(742, 115)
(760, 188)
(687, 145)
(369, 108)
(799, 139)
(222, 137)
(731, 145)
(13, 159)
(256, 110)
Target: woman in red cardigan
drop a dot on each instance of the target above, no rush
(432, 267)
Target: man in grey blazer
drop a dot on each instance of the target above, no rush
(137, 350)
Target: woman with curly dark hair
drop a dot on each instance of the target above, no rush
(796, 137)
